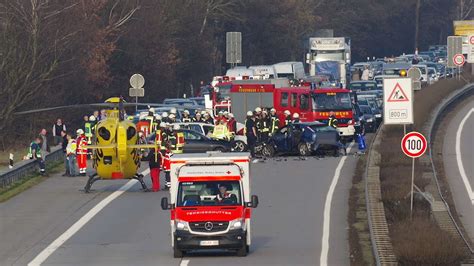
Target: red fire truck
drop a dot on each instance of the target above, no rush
(311, 104)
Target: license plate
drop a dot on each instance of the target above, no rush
(209, 243)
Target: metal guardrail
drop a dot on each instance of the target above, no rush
(378, 227)
(24, 168)
(437, 115)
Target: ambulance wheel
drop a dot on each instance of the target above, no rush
(239, 146)
(242, 252)
(303, 149)
(177, 253)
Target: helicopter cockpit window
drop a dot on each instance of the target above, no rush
(104, 133)
(131, 131)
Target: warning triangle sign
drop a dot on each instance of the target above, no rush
(398, 95)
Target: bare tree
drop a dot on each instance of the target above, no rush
(219, 9)
(465, 9)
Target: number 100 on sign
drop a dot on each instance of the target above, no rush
(414, 144)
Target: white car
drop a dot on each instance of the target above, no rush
(239, 143)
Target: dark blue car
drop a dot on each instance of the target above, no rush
(303, 139)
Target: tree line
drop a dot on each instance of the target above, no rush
(60, 52)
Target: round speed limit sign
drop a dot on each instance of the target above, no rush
(414, 144)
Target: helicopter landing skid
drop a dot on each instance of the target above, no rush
(91, 181)
(139, 177)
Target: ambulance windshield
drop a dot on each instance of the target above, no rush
(209, 193)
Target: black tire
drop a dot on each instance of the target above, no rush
(239, 146)
(243, 251)
(268, 151)
(177, 253)
(303, 149)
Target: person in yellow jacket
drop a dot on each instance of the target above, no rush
(221, 131)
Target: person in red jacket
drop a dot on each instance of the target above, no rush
(232, 124)
(155, 163)
(81, 152)
(167, 165)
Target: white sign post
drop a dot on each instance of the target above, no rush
(414, 145)
(398, 101)
(136, 81)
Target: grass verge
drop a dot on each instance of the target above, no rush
(29, 181)
(360, 246)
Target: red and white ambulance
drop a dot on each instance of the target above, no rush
(210, 202)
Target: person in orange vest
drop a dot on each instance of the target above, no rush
(81, 152)
(155, 161)
(167, 165)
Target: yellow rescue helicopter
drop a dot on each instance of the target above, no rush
(116, 152)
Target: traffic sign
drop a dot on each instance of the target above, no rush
(454, 47)
(133, 92)
(414, 144)
(398, 101)
(137, 81)
(470, 50)
(414, 73)
(459, 60)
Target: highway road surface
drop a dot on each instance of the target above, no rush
(458, 157)
(301, 220)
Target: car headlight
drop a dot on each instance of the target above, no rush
(237, 224)
(350, 122)
(378, 115)
(370, 120)
(181, 225)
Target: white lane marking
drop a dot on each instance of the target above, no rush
(184, 262)
(459, 157)
(323, 259)
(40, 258)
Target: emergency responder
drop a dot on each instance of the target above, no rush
(161, 136)
(208, 119)
(156, 123)
(263, 127)
(167, 165)
(71, 150)
(155, 161)
(34, 153)
(186, 117)
(226, 116)
(165, 117)
(232, 124)
(332, 122)
(218, 118)
(64, 142)
(221, 131)
(258, 112)
(296, 118)
(174, 111)
(151, 119)
(287, 117)
(81, 142)
(198, 118)
(88, 131)
(93, 121)
(172, 118)
(275, 122)
(251, 132)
